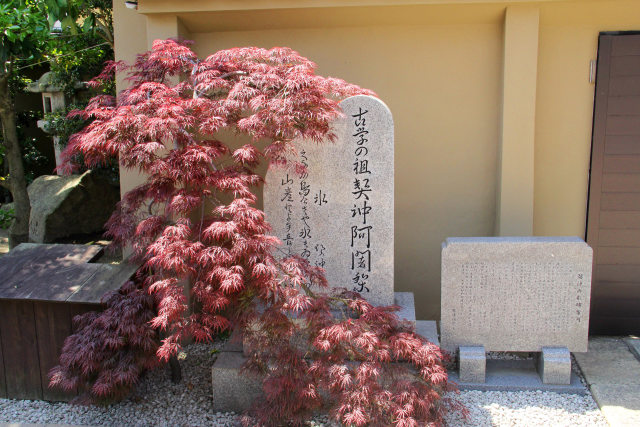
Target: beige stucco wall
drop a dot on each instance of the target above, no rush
(445, 70)
(568, 42)
(441, 84)
(130, 38)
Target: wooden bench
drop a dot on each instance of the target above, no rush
(42, 287)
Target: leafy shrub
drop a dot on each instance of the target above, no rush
(194, 221)
(32, 158)
(109, 351)
(6, 216)
(57, 124)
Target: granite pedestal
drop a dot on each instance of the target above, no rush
(234, 391)
(472, 363)
(554, 365)
(517, 375)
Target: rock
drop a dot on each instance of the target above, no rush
(62, 206)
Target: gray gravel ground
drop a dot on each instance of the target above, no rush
(158, 402)
(528, 408)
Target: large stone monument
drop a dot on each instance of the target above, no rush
(339, 216)
(516, 294)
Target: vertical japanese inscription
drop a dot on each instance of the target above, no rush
(339, 215)
(361, 191)
(299, 237)
(287, 198)
(305, 189)
(515, 293)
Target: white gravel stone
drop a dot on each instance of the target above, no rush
(159, 402)
(528, 408)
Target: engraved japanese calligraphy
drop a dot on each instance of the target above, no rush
(339, 213)
(516, 293)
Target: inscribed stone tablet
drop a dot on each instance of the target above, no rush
(515, 293)
(339, 215)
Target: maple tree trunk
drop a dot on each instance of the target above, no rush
(16, 183)
(176, 370)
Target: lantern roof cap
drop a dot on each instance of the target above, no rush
(45, 84)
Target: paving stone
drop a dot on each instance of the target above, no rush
(634, 346)
(620, 404)
(609, 361)
(613, 374)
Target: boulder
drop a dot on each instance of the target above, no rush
(62, 206)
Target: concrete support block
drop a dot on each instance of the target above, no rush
(554, 365)
(472, 364)
(232, 391)
(429, 330)
(407, 305)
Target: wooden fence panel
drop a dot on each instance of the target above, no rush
(20, 350)
(53, 325)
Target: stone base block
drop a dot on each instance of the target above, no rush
(472, 364)
(517, 375)
(232, 391)
(407, 311)
(429, 330)
(554, 365)
(407, 306)
(235, 342)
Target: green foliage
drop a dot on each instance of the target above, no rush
(32, 158)
(75, 53)
(82, 16)
(85, 43)
(6, 216)
(23, 31)
(85, 58)
(58, 124)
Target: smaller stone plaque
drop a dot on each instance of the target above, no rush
(515, 293)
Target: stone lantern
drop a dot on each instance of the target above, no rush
(53, 99)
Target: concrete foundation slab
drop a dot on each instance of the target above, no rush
(516, 375)
(613, 374)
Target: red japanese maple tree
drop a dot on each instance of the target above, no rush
(194, 226)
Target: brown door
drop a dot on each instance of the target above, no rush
(613, 225)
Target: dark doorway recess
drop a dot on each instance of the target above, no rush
(613, 225)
